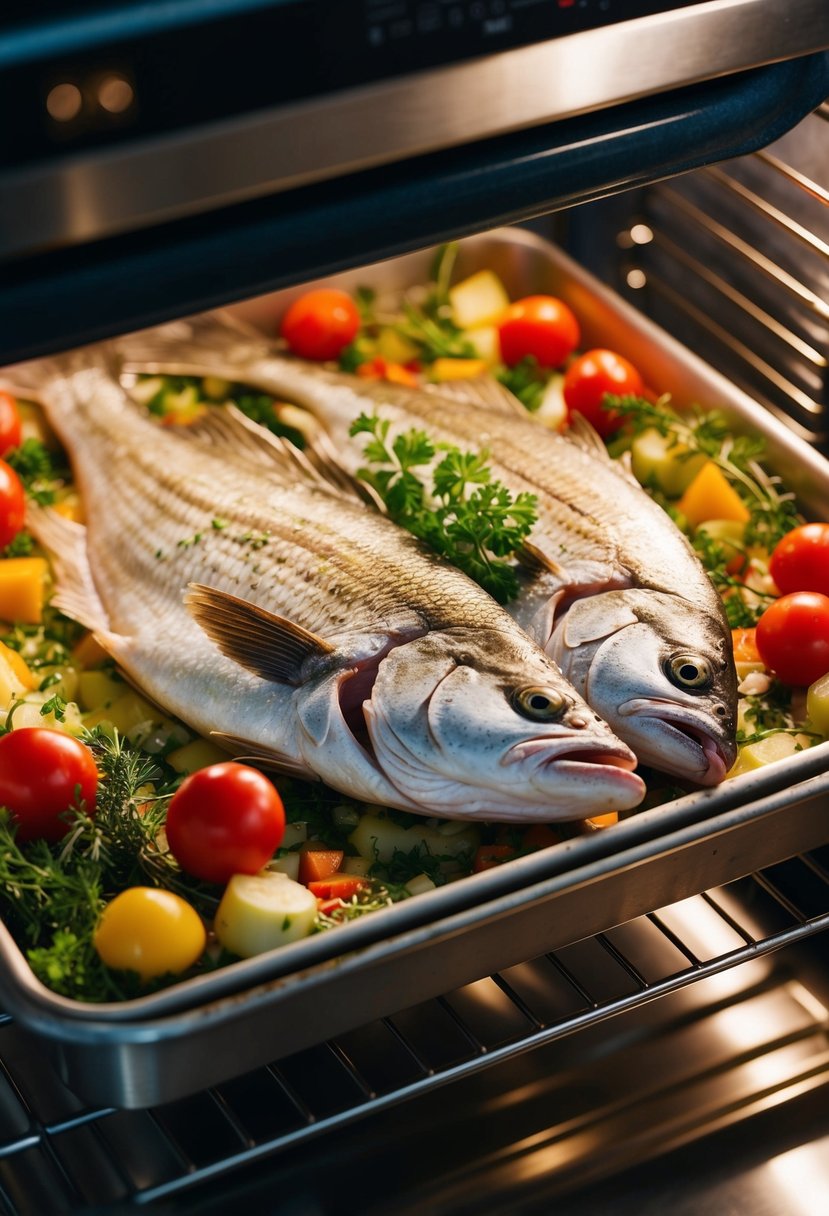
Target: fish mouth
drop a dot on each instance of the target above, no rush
(617, 756)
(692, 751)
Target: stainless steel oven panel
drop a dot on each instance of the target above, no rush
(161, 1046)
(93, 195)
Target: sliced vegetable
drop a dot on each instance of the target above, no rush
(379, 837)
(19, 667)
(316, 862)
(793, 637)
(780, 745)
(337, 886)
(817, 705)
(200, 753)
(478, 300)
(711, 496)
(657, 459)
(23, 589)
(457, 369)
(224, 820)
(541, 326)
(487, 856)
(321, 323)
(594, 375)
(43, 773)
(151, 932)
(746, 655)
(800, 561)
(260, 912)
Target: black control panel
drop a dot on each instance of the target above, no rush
(88, 74)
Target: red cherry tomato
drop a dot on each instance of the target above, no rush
(800, 561)
(593, 374)
(223, 820)
(793, 637)
(12, 504)
(542, 326)
(10, 427)
(43, 773)
(321, 323)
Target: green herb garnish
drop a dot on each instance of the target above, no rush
(464, 514)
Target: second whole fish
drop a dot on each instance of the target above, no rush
(623, 603)
(300, 628)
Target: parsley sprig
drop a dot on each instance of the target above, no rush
(463, 514)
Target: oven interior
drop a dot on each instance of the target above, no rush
(681, 1058)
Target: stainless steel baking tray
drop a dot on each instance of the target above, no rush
(202, 1031)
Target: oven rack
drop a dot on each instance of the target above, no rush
(58, 1155)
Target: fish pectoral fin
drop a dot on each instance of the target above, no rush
(263, 757)
(535, 560)
(260, 641)
(596, 617)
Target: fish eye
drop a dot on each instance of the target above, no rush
(540, 704)
(689, 671)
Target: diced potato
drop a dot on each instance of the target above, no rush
(478, 300)
(64, 681)
(730, 534)
(817, 705)
(420, 884)
(378, 837)
(198, 753)
(458, 369)
(487, 344)
(552, 411)
(260, 912)
(287, 863)
(23, 589)
(655, 459)
(357, 866)
(130, 712)
(778, 746)
(392, 346)
(709, 496)
(27, 713)
(99, 689)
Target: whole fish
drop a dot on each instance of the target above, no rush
(622, 603)
(302, 629)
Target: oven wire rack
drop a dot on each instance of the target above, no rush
(57, 1155)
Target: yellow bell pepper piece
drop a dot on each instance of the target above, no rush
(458, 369)
(709, 496)
(19, 666)
(23, 589)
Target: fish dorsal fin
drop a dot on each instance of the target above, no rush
(260, 641)
(484, 391)
(585, 436)
(263, 757)
(75, 592)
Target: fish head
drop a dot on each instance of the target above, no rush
(481, 724)
(660, 670)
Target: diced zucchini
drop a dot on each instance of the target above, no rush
(817, 705)
(392, 346)
(357, 866)
(286, 863)
(419, 884)
(656, 459)
(199, 753)
(552, 411)
(260, 912)
(378, 838)
(478, 300)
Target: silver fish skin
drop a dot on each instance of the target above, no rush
(303, 629)
(624, 606)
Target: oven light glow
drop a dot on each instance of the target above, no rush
(641, 234)
(800, 1176)
(64, 102)
(115, 94)
(636, 279)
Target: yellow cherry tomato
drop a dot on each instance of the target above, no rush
(149, 931)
